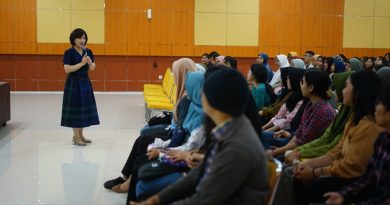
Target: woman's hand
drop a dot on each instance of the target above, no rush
(85, 59)
(282, 134)
(334, 198)
(89, 60)
(153, 154)
(177, 155)
(194, 159)
(304, 173)
(293, 156)
(154, 200)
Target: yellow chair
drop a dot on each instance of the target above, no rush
(164, 92)
(164, 82)
(274, 169)
(156, 105)
(168, 97)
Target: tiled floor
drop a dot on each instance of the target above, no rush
(39, 164)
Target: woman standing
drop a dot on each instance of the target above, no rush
(78, 105)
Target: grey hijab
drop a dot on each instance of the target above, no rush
(356, 65)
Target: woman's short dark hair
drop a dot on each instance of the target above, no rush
(232, 61)
(366, 86)
(260, 73)
(384, 96)
(205, 54)
(78, 33)
(320, 82)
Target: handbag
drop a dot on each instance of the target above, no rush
(155, 169)
(163, 119)
(178, 136)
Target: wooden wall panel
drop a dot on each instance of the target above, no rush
(6, 25)
(116, 32)
(6, 48)
(269, 33)
(291, 7)
(291, 30)
(270, 7)
(241, 51)
(117, 5)
(27, 85)
(7, 67)
(311, 31)
(350, 52)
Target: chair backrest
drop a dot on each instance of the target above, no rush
(166, 77)
(274, 169)
(173, 95)
(168, 88)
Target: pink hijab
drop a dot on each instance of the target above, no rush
(180, 68)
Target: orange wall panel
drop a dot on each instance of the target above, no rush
(27, 85)
(291, 7)
(270, 7)
(116, 27)
(290, 31)
(270, 30)
(25, 25)
(350, 52)
(6, 25)
(241, 51)
(183, 50)
(116, 86)
(98, 85)
(138, 28)
(199, 50)
(116, 5)
(50, 85)
(6, 48)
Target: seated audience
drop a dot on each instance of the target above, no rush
(317, 116)
(373, 186)
(235, 161)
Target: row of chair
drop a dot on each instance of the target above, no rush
(160, 97)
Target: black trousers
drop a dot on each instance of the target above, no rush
(136, 159)
(313, 192)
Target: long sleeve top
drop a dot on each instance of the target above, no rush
(351, 155)
(276, 79)
(260, 96)
(330, 138)
(237, 173)
(272, 110)
(284, 117)
(320, 146)
(315, 119)
(376, 177)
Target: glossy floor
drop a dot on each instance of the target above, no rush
(39, 164)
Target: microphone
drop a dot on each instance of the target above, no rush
(85, 51)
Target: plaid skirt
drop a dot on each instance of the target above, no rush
(79, 105)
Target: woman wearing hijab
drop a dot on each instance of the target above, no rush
(262, 58)
(137, 156)
(281, 61)
(297, 63)
(192, 123)
(356, 65)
